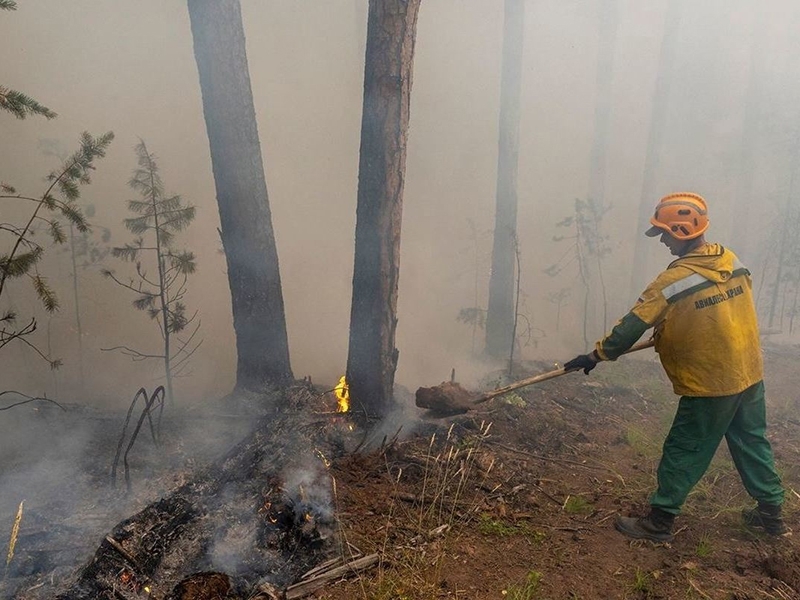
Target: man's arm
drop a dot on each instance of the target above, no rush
(624, 335)
(649, 309)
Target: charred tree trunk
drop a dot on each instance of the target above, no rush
(372, 356)
(247, 236)
(658, 126)
(500, 316)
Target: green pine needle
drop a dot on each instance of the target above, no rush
(128, 252)
(57, 232)
(184, 262)
(21, 263)
(21, 105)
(45, 293)
(143, 302)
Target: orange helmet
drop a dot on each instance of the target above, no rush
(684, 216)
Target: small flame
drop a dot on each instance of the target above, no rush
(342, 391)
(322, 457)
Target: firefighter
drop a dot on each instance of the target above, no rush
(706, 335)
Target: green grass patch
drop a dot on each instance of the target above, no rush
(497, 528)
(641, 442)
(578, 505)
(528, 590)
(642, 582)
(494, 527)
(704, 547)
(514, 400)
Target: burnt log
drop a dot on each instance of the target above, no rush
(202, 586)
(262, 514)
(447, 398)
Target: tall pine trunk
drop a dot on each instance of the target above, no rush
(77, 301)
(607, 34)
(372, 356)
(252, 258)
(655, 141)
(741, 230)
(785, 241)
(500, 316)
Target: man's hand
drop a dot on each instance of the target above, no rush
(587, 362)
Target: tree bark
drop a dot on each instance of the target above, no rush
(246, 223)
(785, 244)
(372, 356)
(658, 126)
(606, 42)
(501, 315)
(741, 228)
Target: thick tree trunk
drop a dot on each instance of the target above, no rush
(741, 229)
(500, 316)
(785, 245)
(607, 35)
(372, 356)
(658, 126)
(247, 236)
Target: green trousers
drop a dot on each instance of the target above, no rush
(697, 430)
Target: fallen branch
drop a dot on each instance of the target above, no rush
(322, 567)
(29, 399)
(127, 556)
(309, 586)
(698, 590)
(13, 542)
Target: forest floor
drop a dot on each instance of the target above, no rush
(515, 500)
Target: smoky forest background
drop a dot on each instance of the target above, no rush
(223, 198)
(608, 106)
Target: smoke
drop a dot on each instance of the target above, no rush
(132, 71)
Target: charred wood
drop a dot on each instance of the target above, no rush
(262, 514)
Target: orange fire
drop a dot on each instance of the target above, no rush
(342, 391)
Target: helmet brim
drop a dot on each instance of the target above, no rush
(654, 231)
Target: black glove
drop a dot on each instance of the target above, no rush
(587, 362)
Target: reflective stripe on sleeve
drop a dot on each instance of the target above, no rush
(695, 280)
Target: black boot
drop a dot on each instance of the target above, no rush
(657, 526)
(765, 516)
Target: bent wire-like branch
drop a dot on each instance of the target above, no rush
(28, 399)
(158, 394)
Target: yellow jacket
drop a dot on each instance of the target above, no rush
(706, 329)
